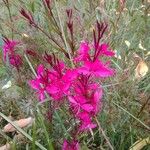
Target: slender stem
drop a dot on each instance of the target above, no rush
(30, 65)
(22, 131)
(143, 106)
(63, 34)
(8, 25)
(49, 37)
(60, 34)
(34, 72)
(103, 133)
(50, 14)
(132, 116)
(9, 12)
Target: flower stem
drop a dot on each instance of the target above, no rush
(22, 131)
(103, 133)
(50, 38)
(147, 127)
(47, 96)
(63, 34)
(10, 16)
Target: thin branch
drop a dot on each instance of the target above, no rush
(22, 131)
(10, 16)
(63, 34)
(103, 133)
(143, 106)
(132, 116)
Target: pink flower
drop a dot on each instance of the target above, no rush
(79, 103)
(96, 68)
(74, 145)
(85, 94)
(85, 101)
(60, 85)
(79, 85)
(86, 107)
(58, 89)
(9, 47)
(15, 60)
(104, 50)
(86, 123)
(91, 63)
(41, 82)
(35, 84)
(83, 52)
(9, 53)
(96, 101)
(56, 81)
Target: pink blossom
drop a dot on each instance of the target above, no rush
(90, 101)
(85, 107)
(56, 81)
(58, 89)
(91, 63)
(35, 84)
(85, 101)
(9, 53)
(83, 52)
(84, 93)
(96, 68)
(86, 123)
(73, 145)
(79, 85)
(79, 103)
(15, 60)
(40, 82)
(96, 101)
(9, 47)
(60, 85)
(103, 49)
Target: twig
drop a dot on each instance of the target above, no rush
(50, 38)
(22, 131)
(30, 65)
(132, 116)
(63, 34)
(103, 133)
(143, 106)
(10, 16)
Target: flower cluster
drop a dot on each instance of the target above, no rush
(10, 54)
(74, 145)
(55, 81)
(78, 85)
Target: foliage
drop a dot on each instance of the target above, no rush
(45, 26)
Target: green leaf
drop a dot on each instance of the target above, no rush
(22, 131)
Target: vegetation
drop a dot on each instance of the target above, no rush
(46, 26)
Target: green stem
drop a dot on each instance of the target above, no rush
(63, 34)
(132, 115)
(22, 131)
(10, 16)
(103, 133)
